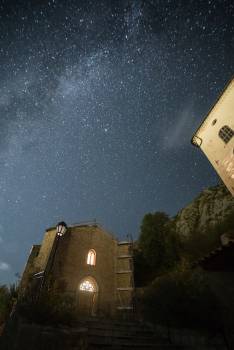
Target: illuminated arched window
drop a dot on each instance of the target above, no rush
(87, 286)
(226, 133)
(91, 257)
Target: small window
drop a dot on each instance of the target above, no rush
(214, 121)
(226, 133)
(91, 257)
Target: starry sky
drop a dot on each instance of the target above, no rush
(98, 103)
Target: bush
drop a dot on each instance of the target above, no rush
(48, 308)
(181, 299)
(8, 296)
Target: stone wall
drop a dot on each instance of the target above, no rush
(70, 264)
(46, 247)
(65, 261)
(29, 268)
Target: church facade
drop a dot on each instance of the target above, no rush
(87, 264)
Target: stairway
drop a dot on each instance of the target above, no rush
(105, 335)
(121, 335)
(101, 334)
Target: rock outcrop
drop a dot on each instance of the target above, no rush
(212, 207)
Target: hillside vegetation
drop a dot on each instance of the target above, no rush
(171, 291)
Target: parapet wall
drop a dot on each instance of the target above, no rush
(29, 268)
(46, 246)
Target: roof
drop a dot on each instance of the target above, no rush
(91, 223)
(220, 259)
(79, 224)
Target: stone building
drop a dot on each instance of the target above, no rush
(215, 136)
(86, 263)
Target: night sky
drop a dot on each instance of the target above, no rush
(98, 103)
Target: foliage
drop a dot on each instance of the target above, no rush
(143, 272)
(8, 296)
(47, 308)
(174, 294)
(226, 224)
(200, 244)
(181, 299)
(160, 248)
(158, 245)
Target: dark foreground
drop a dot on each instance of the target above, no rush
(105, 334)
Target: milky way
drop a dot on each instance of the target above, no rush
(98, 103)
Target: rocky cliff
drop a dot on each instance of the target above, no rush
(211, 208)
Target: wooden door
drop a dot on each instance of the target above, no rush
(87, 303)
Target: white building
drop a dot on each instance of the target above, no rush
(215, 136)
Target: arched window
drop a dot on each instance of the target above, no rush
(87, 286)
(91, 257)
(226, 133)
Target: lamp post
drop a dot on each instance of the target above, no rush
(61, 229)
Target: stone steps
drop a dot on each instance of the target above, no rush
(137, 346)
(117, 335)
(119, 340)
(115, 332)
(102, 335)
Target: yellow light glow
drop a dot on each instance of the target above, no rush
(87, 286)
(91, 257)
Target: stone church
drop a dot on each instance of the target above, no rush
(86, 263)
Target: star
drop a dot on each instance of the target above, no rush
(98, 104)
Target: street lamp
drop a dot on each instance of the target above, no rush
(61, 228)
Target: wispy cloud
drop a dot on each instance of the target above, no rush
(179, 133)
(4, 266)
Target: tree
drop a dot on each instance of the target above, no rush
(181, 299)
(7, 299)
(158, 242)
